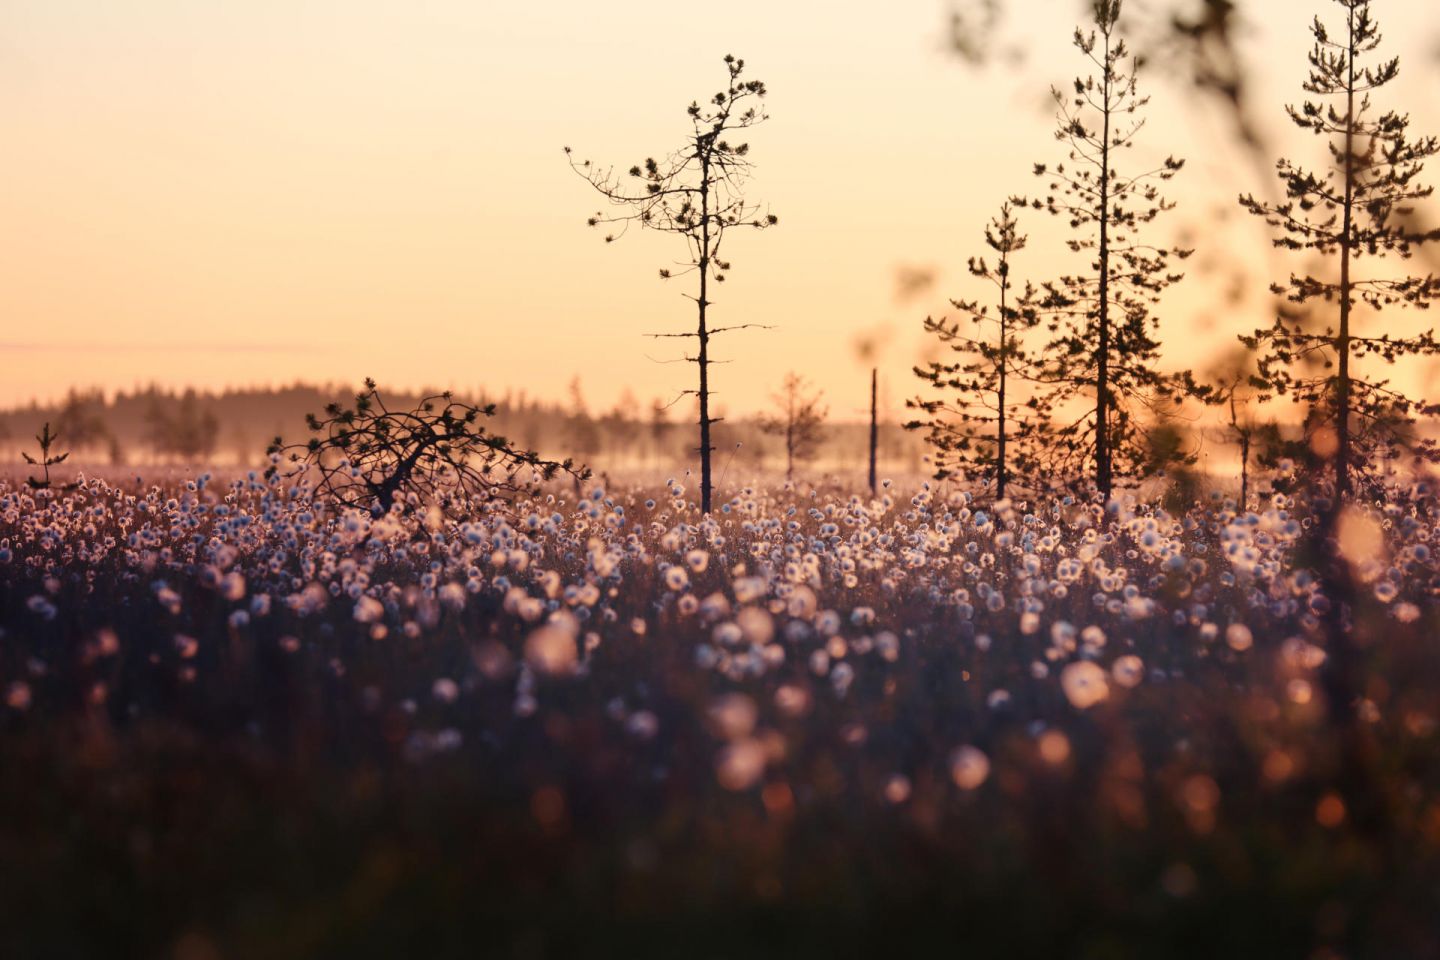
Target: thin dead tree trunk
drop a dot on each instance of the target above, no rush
(874, 426)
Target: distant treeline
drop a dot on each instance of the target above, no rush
(234, 426)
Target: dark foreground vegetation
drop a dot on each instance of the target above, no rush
(240, 722)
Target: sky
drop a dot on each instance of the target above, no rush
(223, 194)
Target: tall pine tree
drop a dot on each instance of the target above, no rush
(1104, 356)
(1352, 216)
(1352, 213)
(697, 193)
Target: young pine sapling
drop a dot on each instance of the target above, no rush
(980, 426)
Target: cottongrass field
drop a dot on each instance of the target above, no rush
(240, 723)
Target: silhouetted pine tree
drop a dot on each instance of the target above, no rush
(980, 425)
(82, 420)
(188, 433)
(659, 429)
(1241, 426)
(1350, 212)
(697, 193)
(799, 421)
(1353, 212)
(1104, 353)
(585, 437)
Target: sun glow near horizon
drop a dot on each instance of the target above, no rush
(222, 196)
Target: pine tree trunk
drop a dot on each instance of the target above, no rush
(1103, 474)
(1244, 455)
(703, 359)
(1342, 672)
(1000, 474)
(1342, 404)
(790, 447)
(1245, 473)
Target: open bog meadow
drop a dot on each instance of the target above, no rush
(241, 721)
(526, 481)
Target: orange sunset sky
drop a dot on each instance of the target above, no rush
(234, 193)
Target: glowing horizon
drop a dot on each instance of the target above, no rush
(258, 195)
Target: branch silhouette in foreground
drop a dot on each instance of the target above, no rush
(439, 452)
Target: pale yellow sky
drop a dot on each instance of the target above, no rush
(238, 193)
